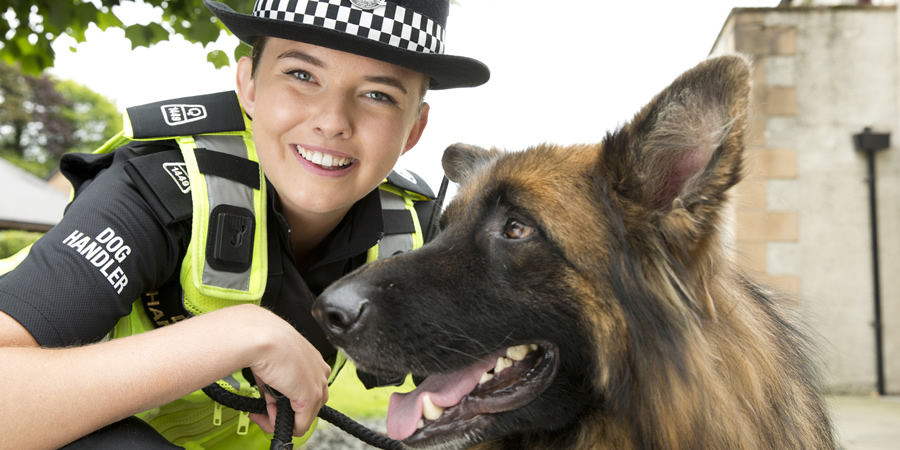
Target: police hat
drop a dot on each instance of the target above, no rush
(407, 33)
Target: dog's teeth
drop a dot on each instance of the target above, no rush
(429, 409)
(502, 363)
(421, 424)
(532, 347)
(518, 352)
(485, 377)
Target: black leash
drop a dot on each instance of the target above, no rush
(284, 419)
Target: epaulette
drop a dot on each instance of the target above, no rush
(410, 181)
(206, 114)
(161, 178)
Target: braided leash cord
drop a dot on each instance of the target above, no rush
(284, 419)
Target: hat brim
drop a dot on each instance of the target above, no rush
(445, 71)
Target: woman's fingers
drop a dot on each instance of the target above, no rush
(263, 421)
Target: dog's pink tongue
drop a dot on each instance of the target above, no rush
(445, 390)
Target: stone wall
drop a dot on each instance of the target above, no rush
(801, 219)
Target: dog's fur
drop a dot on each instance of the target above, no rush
(609, 258)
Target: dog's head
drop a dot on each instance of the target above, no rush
(539, 304)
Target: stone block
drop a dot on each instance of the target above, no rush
(751, 193)
(766, 226)
(761, 40)
(772, 162)
(788, 284)
(781, 101)
(751, 256)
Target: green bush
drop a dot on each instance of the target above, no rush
(12, 241)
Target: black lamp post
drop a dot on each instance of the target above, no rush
(870, 142)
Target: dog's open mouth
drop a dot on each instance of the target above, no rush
(459, 401)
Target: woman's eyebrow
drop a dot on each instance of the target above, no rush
(389, 81)
(303, 57)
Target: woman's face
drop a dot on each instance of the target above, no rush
(328, 125)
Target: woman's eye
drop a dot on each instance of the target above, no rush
(515, 229)
(301, 75)
(381, 97)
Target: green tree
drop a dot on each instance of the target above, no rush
(14, 116)
(41, 119)
(34, 131)
(28, 27)
(94, 117)
(49, 134)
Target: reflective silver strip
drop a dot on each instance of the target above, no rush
(221, 191)
(234, 383)
(394, 243)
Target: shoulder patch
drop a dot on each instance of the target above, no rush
(162, 180)
(210, 113)
(405, 179)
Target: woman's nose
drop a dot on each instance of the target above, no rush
(332, 118)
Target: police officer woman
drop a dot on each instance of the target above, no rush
(329, 101)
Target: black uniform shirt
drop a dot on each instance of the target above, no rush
(112, 245)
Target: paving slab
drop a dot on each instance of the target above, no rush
(866, 422)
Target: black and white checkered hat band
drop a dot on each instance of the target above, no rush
(389, 24)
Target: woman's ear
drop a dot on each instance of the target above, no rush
(246, 85)
(416, 132)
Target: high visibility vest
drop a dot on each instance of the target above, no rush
(226, 262)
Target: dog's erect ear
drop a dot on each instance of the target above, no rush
(461, 160)
(684, 148)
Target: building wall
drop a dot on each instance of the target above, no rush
(802, 220)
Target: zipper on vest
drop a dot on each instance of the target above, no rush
(243, 423)
(217, 414)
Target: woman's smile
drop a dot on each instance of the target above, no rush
(324, 160)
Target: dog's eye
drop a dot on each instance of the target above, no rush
(517, 230)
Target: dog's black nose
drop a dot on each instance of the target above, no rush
(341, 311)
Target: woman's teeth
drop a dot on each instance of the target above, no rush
(323, 159)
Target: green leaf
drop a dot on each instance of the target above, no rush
(201, 31)
(218, 58)
(145, 35)
(57, 19)
(106, 20)
(85, 14)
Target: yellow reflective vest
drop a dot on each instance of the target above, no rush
(227, 258)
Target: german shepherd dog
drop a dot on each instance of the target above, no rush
(583, 297)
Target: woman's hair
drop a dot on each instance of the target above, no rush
(256, 53)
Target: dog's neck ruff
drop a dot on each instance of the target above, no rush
(380, 21)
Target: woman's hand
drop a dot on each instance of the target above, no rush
(289, 364)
